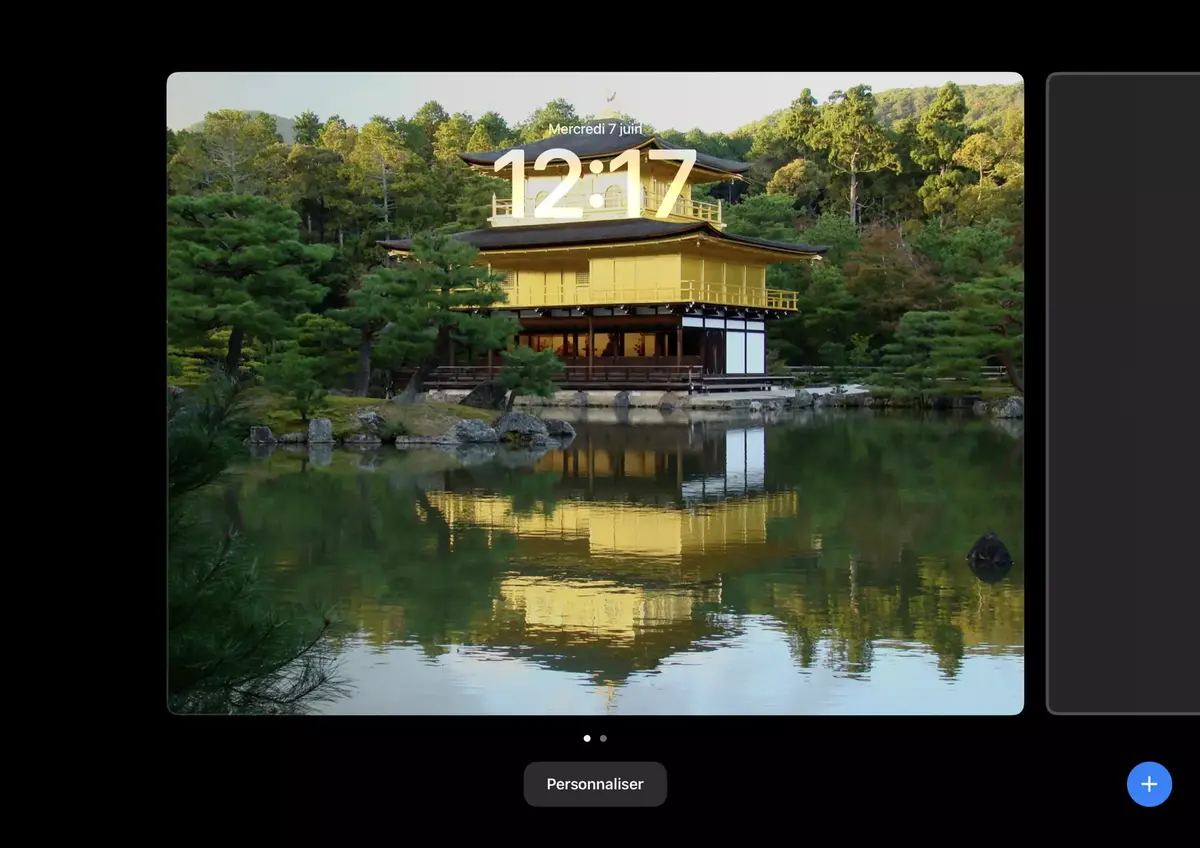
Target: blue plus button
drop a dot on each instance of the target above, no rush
(1149, 784)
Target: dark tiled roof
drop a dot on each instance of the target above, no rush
(592, 145)
(593, 232)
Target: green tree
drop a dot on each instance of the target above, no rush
(939, 135)
(453, 136)
(800, 121)
(386, 301)
(801, 179)
(910, 356)
(491, 133)
(460, 198)
(828, 315)
(966, 253)
(229, 649)
(330, 341)
(941, 130)
(554, 113)
(235, 152)
(528, 372)
(853, 140)
(987, 323)
(291, 372)
(980, 152)
(317, 190)
(306, 128)
(426, 122)
(448, 285)
(236, 261)
(377, 157)
(766, 216)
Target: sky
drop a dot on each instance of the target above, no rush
(755, 673)
(716, 102)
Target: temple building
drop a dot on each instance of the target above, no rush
(656, 300)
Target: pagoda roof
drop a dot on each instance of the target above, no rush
(622, 231)
(599, 144)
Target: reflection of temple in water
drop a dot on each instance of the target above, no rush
(640, 513)
(619, 564)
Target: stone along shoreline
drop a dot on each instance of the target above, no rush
(850, 397)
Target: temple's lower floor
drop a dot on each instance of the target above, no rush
(600, 340)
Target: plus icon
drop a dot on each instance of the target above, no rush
(1149, 784)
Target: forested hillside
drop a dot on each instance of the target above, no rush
(919, 193)
(986, 105)
(284, 126)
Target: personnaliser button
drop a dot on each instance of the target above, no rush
(595, 784)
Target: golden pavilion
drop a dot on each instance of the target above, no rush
(654, 301)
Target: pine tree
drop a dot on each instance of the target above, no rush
(385, 302)
(527, 372)
(230, 650)
(237, 261)
(987, 323)
(447, 286)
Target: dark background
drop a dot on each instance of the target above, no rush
(1122, 289)
(1122, 293)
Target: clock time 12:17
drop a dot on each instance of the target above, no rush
(630, 161)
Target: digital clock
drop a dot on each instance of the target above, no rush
(630, 160)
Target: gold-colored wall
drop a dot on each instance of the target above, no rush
(536, 287)
(592, 607)
(637, 279)
(626, 279)
(718, 271)
(602, 463)
(627, 529)
(641, 276)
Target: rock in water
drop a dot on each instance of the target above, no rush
(489, 395)
(989, 559)
(261, 436)
(472, 431)
(1013, 407)
(359, 440)
(671, 401)
(521, 426)
(521, 457)
(320, 431)
(320, 454)
(372, 422)
(475, 454)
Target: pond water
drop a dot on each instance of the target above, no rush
(814, 564)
